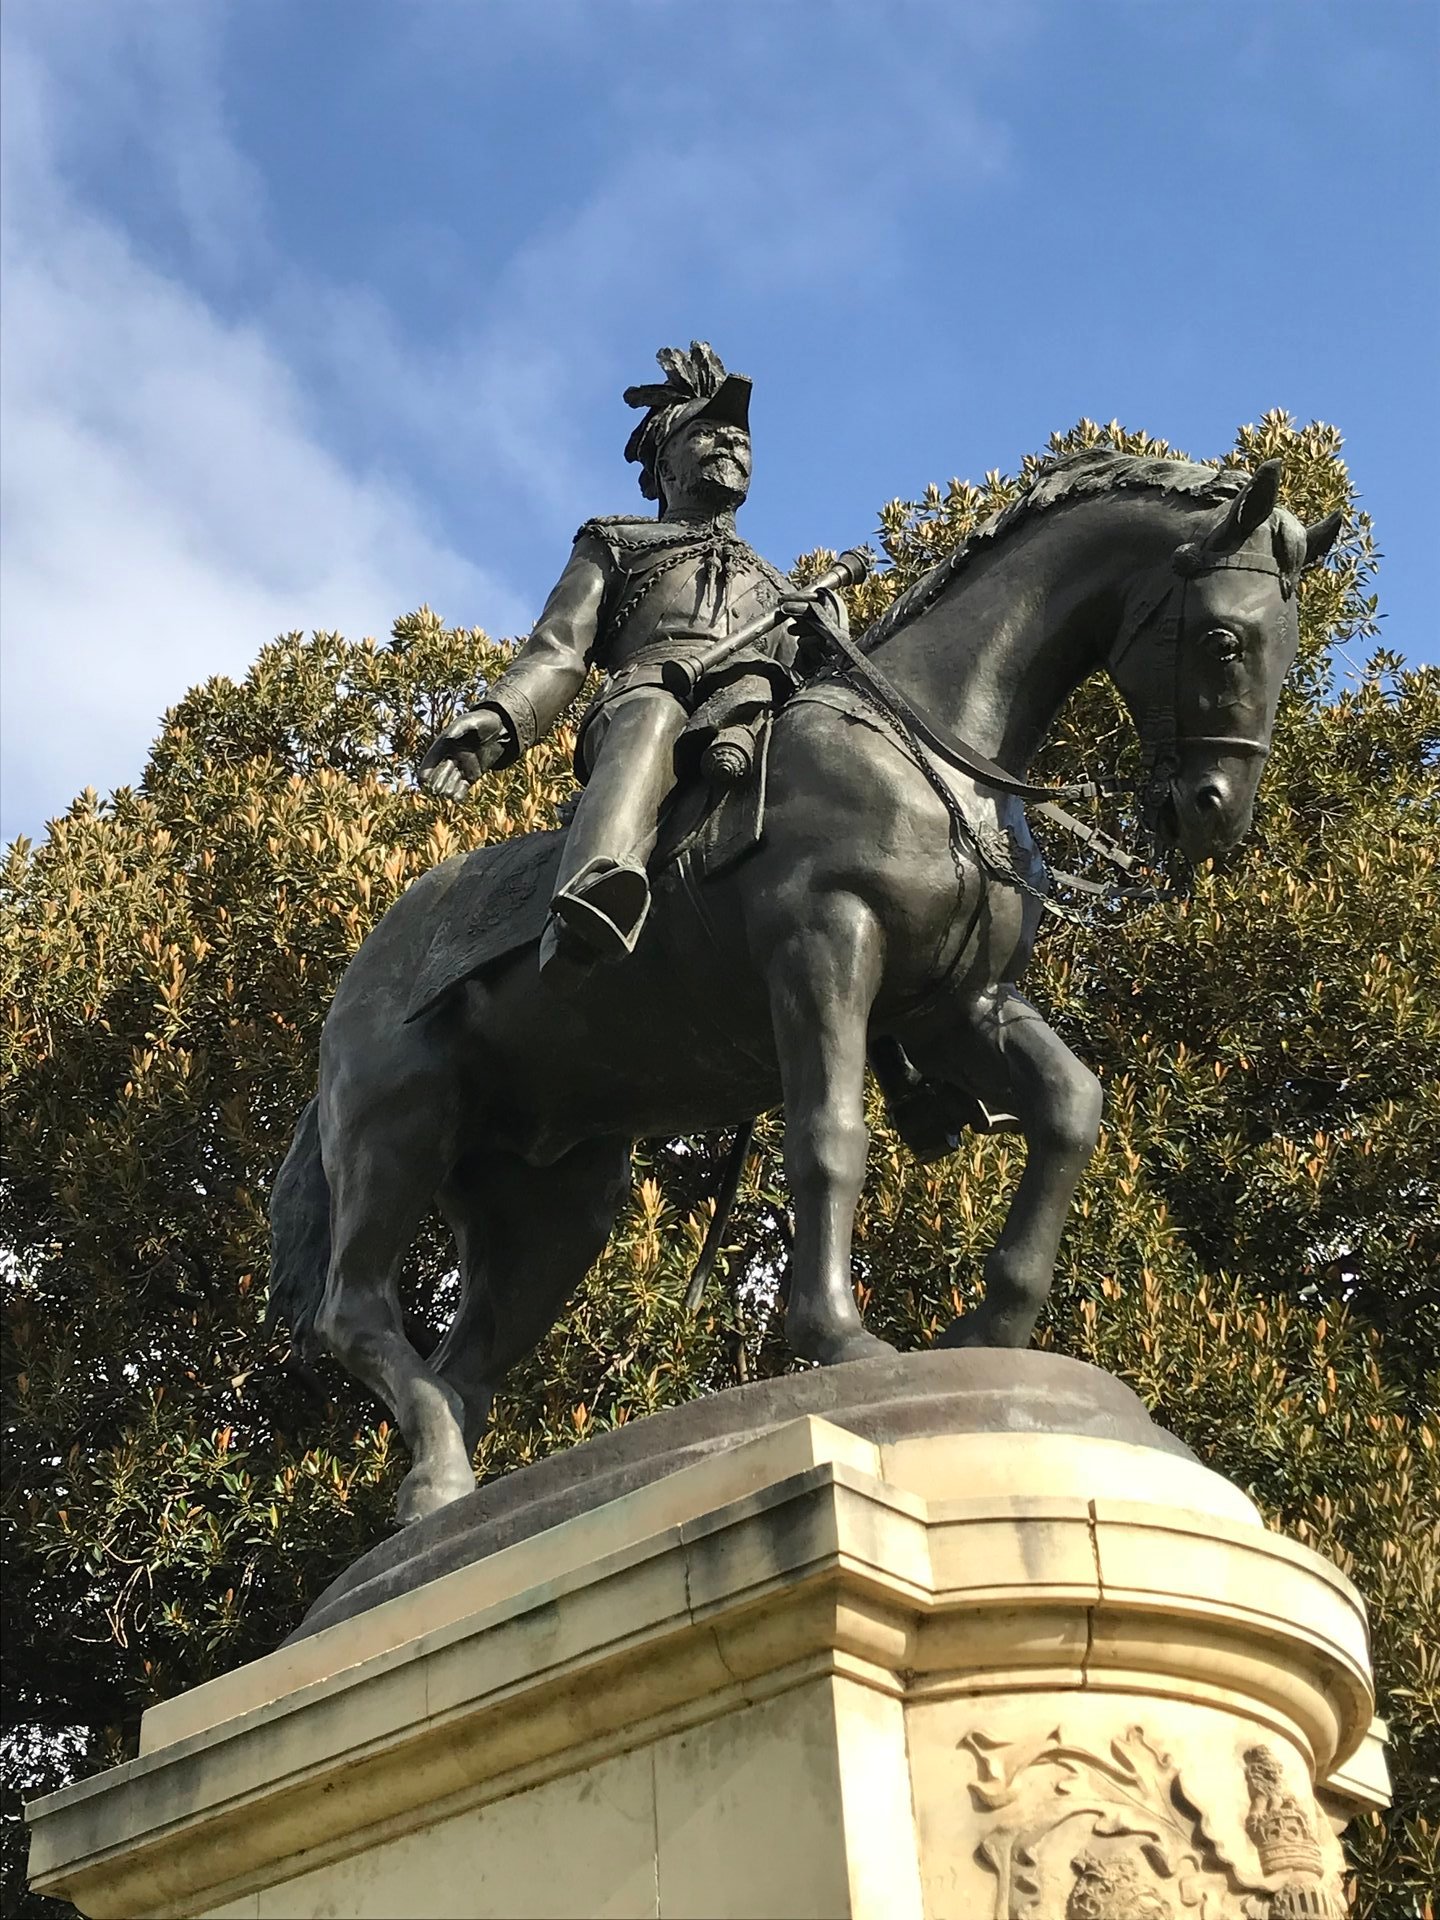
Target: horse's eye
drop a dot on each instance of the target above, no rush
(1224, 643)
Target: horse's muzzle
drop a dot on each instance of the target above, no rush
(1208, 813)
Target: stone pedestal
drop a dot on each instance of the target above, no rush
(960, 1635)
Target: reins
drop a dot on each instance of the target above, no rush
(882, 690)
(926, 736)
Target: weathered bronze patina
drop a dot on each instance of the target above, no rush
(883, 900)
(639, 596)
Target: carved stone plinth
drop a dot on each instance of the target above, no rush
(1019, 1658)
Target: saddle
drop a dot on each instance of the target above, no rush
(497, 901)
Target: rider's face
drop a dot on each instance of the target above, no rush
(706, 459)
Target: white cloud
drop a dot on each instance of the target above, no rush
(174, 489)
(765, 171)
(168, 504)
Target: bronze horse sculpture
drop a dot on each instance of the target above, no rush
(892, 898)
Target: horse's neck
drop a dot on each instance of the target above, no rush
(1006, 645)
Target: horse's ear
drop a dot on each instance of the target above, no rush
(1321, 537)
(1253, 507)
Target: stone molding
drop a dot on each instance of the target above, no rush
(807, 1556)
(962, 1393)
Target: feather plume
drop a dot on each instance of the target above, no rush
(678, 369)
(697, 375)
(654, 396)
(708, 368)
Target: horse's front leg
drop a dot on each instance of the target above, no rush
(1013, 1060)
(822, 979)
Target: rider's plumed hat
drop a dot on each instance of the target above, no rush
(695, 383)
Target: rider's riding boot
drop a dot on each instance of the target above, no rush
(603, 895)
(604, 906)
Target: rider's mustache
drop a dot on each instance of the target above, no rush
(726, 463)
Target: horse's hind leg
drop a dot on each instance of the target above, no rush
(383, 1140)
(527, 1237)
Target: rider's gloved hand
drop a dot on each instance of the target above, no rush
(813, 619)
(468, 747)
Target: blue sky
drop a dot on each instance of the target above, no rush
(318, 309)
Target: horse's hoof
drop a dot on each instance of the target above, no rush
(861, 1346)
(425, 1490)
(959, 1333)
(834, 1346)
(979, 1329)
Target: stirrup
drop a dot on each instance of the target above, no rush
(605, 906)
(563, 958)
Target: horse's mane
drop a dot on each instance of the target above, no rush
(1069, 476)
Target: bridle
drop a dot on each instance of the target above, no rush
(1162, 603)
(1158, 723)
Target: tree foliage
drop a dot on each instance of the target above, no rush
(1255, 1248)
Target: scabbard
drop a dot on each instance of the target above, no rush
(724, 1204)
(682, 678)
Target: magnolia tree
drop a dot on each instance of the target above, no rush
(1255, 1247)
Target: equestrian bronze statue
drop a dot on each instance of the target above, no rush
(869, 887)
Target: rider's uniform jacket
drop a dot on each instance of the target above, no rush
(636, 594)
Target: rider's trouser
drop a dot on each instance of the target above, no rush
(630, 744)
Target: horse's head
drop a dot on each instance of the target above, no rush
(1200, 658)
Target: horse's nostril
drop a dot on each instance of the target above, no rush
(1210, 798)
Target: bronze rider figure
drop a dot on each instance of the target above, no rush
(637, 594)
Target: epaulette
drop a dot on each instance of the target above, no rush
(606, 524)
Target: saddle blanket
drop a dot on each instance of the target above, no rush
(497, 904)
(500, 898)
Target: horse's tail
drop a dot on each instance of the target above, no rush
(300, 1234)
